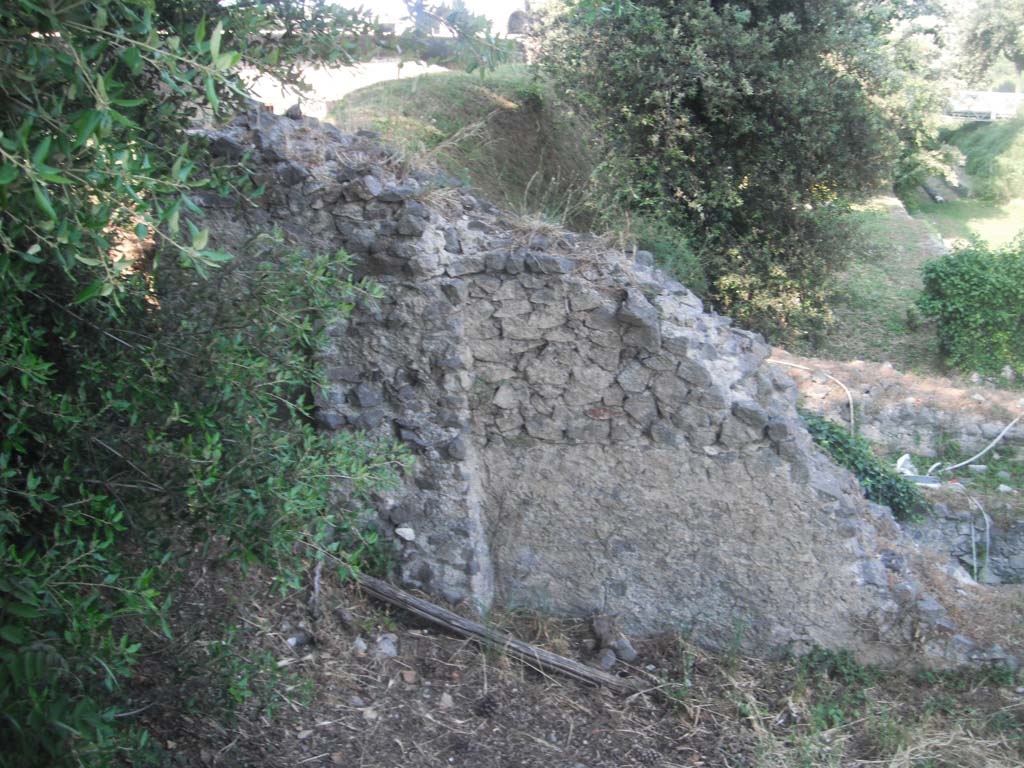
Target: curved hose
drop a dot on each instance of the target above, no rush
(987, 448)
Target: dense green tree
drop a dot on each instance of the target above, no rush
(995, 28)
(744, 123)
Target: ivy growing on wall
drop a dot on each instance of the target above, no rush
(879, 483)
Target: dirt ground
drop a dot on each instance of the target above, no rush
(231, 690)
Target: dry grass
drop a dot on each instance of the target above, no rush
(954, 746)
(504, 134)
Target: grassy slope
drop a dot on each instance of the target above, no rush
(876, 291)
(879, 288)
(995, 223)
(994, 155)
(503, 132)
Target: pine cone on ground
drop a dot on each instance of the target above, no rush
(487, 705)
(647, 756)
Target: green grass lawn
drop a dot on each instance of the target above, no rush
(955, 220)
(874, 304)
(994, 167)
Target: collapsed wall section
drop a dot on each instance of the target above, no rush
(588, 439)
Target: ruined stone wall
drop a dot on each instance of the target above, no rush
(902, 413)
(588, 439)
(992, 550)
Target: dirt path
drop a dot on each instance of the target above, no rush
(434, 700)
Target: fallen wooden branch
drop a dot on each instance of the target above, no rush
(492, 637)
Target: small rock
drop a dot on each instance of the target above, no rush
(606, 659)
(446, 701)
(300, 639)
(978, 469)
(386, 646)
(367, 396)
(624, 649)
(291, 173)
(1004, 489)
(359, 646)
(294, 112)
(548, 264)
(893, 561)
(368, 187)
(228, 148)
(540, 242)
(456, 449)
(412, 226)
(452, 244)
(1002, 474)
(405, 533)
(978, 398)
(356, 701)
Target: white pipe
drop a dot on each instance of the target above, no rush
(849, 396)
(988, 448)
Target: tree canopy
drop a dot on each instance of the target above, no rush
(743, 122)
(995, 28)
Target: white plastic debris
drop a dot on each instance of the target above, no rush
(905, 466)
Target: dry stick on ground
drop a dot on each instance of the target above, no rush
(487, 636)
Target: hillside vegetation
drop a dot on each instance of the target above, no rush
(504, 133)
(994, 157)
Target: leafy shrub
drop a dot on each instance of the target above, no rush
(976, 295)
(880, 484)
(119, 414)
(740, 124)
(188, 408)
(784, 283)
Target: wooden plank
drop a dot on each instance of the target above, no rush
(528, 653)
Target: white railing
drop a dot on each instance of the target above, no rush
(984, 105)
